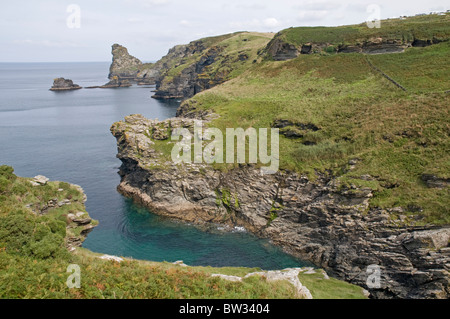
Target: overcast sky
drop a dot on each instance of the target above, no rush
(34, 31)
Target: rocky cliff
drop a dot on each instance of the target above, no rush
(317, 220)
(202, 64)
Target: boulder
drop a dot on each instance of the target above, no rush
(40, 180)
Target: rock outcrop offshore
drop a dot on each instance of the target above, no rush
(62, 84)
(318, 221)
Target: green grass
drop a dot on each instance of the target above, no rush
(419, 70)
(321, 288)
(421, 27)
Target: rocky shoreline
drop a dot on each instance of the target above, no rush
(318, 221)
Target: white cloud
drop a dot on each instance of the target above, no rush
(185, 23)
(271, 22)
(255, 23)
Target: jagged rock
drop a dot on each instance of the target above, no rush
(86, 230)
(39, 180)
(294, 130)
(124, 65)
(282, 51)
(112, 258)
(82, 221)
(288, 274)
(62, 84)
(180, 263)
(433, 181)
(63, 202)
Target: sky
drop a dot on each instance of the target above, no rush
(84, 30)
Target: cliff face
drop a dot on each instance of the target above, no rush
(188, 81)
(124, 65)
(189, 69)
(318, 221)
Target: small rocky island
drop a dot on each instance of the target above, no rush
(62, 84)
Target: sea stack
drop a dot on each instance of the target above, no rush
(124, 65)
(62, 84)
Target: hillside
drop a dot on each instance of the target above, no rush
(398, 137)
(364, 157)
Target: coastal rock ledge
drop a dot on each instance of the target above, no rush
(317, 221)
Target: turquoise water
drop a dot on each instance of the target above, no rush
(65, 136)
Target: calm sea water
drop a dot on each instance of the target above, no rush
(65, 136)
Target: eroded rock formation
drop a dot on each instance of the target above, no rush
(124, 65)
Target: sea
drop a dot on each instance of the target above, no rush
(66, 137)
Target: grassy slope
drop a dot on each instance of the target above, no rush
(398, 136)
(427, 27)
(34, 260)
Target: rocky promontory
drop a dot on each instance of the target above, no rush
(202, 64)
(317, 220)
(62, 84)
